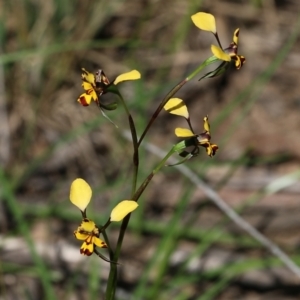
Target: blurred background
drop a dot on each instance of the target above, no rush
(178, 245)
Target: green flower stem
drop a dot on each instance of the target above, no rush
(106, 239)
(112, 278)
(134, 142)
(206, 63)
(173, 92)
(112, 282)
(162, 163)
(111, 285)
(106, 225)
(160, 107)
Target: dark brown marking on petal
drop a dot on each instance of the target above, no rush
(96, 231)
(86, 252)
(90, 91)
(89, 240)
(82, 101)
(214, 149)
(243, 59)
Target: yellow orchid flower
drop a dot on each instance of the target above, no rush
(80, 196)
(98, 84)
(89, 233)
(205, 21)
(202, 139)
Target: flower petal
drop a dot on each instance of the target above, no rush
(205, 22)
(214, 148)
(206, 124)
(80, 236)
(87, 226)
(219, 53)
(176, 106)
(211, 149)
(87, 86)
(132, 75)
(122, 210)
(80, 193)
(93, 95)
(88, 77)
(99, 243)
(87, 248)
(239, 61)
(184, 132)
(236, 36)
(84, 99)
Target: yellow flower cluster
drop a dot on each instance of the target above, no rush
(80, 196)
(98, 84)
(177, 106)
(205, 21)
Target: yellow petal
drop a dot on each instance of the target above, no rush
(183, 132)
(219, 53)
(211, 151)
(205, 22)
(87, 76)
(236, 36)
(122, 210)
(206, 124)
(132, 75)
(80, 236)
(80, 193)
(176, 106)
(93, 95)
(84, 99)
(87, 226)
(87, 248)
(98, 242)
(238, 62)
(87, 86)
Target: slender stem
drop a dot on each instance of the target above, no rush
(160, 107)
(135, 157)
(190, 124)
(111, 283)
(134, 143)
(83, 213)
(173, 91)
(218, 40)
(106, 225)
(150, 176)
(136, 197)
(112, 279)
